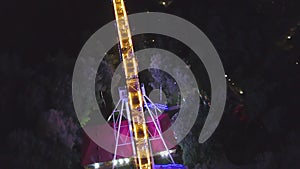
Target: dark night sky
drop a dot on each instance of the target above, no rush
(33, 31)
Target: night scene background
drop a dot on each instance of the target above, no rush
(258, 43)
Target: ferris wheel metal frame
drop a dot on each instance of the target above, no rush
(153, 110)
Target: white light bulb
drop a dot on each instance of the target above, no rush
(127, 160)
(96, 165)
(115, 162)
(162, 154)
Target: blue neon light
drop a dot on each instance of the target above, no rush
(160, 106)
(169, 166)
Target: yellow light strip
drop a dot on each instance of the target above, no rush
(135, 98)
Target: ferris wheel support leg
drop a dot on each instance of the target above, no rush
(155, 108)
(113, 112)
(159, 132)
(152, 103)
(118, 135)
(130, 128)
